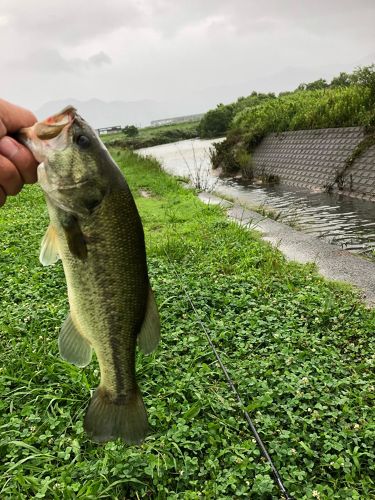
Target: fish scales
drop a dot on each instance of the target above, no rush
(107, 293)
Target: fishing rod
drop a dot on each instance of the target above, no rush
(258, 439)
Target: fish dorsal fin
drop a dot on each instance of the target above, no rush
(149, 335)
(49, 254)
(72, 346)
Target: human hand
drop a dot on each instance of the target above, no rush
(17, 165)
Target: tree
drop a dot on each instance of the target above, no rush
(301, 86)
(317, 85)
(365, 76)
(130, 130)
(343, 80)
(216, 121)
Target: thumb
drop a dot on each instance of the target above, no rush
(13, 117)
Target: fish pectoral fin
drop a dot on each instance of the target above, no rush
(49, 254)
(149, 335)
(72, 346)
(74, 236)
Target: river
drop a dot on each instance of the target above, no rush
(341, 220)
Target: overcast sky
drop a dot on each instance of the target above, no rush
(164, 49)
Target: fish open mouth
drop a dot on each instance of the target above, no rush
(54, 125)
(51, 127)
(49, 134)
(63, 117)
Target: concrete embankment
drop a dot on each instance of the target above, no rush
(337, 159)
(332, 262)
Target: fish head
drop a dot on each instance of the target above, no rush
(73, 160)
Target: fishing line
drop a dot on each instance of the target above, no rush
(258, 439)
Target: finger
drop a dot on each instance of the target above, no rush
(10, 179)
(21, 157)
(3, 197)
(14, 117)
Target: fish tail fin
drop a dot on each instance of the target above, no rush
(110, 418)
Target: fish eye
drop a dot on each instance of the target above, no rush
(83, 141)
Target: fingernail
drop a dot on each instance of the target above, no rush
(9, 147)
(3, 129)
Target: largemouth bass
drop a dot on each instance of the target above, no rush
(96, 231)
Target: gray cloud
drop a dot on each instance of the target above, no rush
(51, 61)
(247, 16)
(99, 59)
(70, 21)
(168, 49)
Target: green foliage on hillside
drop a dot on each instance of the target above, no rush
(348, 101)
(311, 109)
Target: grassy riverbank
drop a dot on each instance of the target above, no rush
(348, 101)
(152, 136)
(298, 348)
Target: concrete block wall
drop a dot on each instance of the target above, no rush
(315, 158)
(359, 179)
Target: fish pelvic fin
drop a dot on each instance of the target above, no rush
(109, 417)
(49, 254)
(149, 335)
(72, 346)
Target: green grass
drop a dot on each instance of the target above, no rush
(152, 136)
(299, 349)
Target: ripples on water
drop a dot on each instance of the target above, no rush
(339, 219)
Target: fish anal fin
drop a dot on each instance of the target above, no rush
(110, 417)
(72, 346)
(149, 335)
(49, 254)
